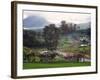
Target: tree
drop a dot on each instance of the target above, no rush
(67, 27)
(51, 36)
(31, 38)
(64, 27)
(28, 55)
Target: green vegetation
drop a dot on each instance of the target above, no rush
(54, 64)
(56, 47)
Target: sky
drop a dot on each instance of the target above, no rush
(38, 19)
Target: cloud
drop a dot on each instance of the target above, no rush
(34, 21)
(39, 19)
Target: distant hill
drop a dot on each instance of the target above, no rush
(32, 22)
(84, 25)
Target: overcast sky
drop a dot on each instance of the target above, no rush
(44, 18)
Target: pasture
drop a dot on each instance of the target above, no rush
(55, 64)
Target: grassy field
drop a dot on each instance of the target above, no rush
(54, 65)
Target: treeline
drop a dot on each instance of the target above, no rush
(47, 38)
(32, 38)
(66, 28)
(50, 34)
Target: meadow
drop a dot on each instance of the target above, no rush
(55, 65)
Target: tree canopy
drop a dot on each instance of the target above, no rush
(51, 36)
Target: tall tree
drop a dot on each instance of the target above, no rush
(51, 36)
(67, 27)
(64, 27)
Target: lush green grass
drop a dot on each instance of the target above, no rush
(53, 65)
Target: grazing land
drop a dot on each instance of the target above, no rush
(55, 64)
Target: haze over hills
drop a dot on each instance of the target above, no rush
(38, 23)
(79, 27)
(84, 25)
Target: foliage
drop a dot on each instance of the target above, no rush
(30, 55)
(32, 39)
(51, 36)
(67, 27)
(65, 39)
(26, 52)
